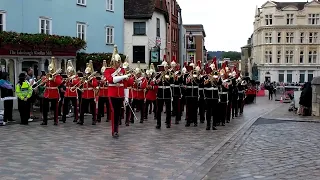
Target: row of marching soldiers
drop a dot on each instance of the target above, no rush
(217, 94)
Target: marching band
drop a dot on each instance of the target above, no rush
(217, 95)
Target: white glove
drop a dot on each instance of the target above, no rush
(126, 96)
(117, 79)
(126, 101)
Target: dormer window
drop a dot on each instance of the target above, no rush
(268, 19)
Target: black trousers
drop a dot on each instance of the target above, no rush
(223, 112)
(176, 103)
(192, 110)
(85, 103)
(160, 103)
(229, 110)
(235, 108)
(115, 107)
(146, 108)
(240, 105)
(270, 95)
(24, 110)
(7, 114)
(103, 101)
(66, 106)
(202, 109)
(46, 107)
(139, 104)
(128, 111)
(212, 111)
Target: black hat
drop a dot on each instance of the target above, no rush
(22, 75)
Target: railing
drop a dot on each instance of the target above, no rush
(191, 46)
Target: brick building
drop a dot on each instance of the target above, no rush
(173, 30)
(195, 39)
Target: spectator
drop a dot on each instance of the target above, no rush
(6, 91)
(306, 100)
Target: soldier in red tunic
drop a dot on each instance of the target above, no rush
(103, 94)
(151, 94)
(51, 93)
(71, 93)
(117, 81)
(89, 85)
(139, 84)
(128, 89)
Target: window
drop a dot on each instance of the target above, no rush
(289, 56)
(310, 76)
(81, 30)
(139, 28)
(313, 19)
(139, 54)
(313, 37)
(268, 19)
(281, 76)
(302, 35)
(268, 37)
(45, 25)
(2, 21)
(302, 77)
(289, 76)
(82, 2)
(289, 18)
(289, 37)
(301, 57)
(110, 5)
(312, 57)
(279, 57)
(172, 10)
(158, 27)
(268, 56)
(109, 35)
(279, 37)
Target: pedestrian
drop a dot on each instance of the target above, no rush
(6, 91)
(23, 92)
(270, 90)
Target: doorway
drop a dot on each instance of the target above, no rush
(30, 64)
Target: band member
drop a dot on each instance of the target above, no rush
(139, 84)
(71, 94)
(103, 94)
(164, 96)
(235, 96)
(230, 92)
(242, 95)
(211, 92)
(192, 95)
(201, 101)
(89, 85)
(184, 75)
(116, 89)
(223, 95)
(51, 93)
(176, 90)
(128, 105)
(151, 94)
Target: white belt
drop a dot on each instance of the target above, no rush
(164, 87)
(201, 88)
(8, 98)
(192, 87)
(211, 88)
(173, 85)
(87, 89)
(137, 89)
(51, 88)
(103, 88)
(240, 91)
(223, 93)
(115, 85)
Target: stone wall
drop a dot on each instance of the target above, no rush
(316, 96)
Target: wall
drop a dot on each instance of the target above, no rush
(149, 40)
(23, 16)
(182, 45)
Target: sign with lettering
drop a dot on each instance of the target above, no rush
(30, 53)
(6, 51)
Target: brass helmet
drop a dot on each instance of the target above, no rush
(152, 69)
(104, 66)
(89, 67)
(125, 64)
(70, 69)
(173, 62)
(222, 72)
(52, 65)
(115, 56)
(138, 69)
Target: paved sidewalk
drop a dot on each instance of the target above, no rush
(70, 151)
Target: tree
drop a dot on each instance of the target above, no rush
(209, 57)
(233, 55)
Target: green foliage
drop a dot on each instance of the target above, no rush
(41, 41)
(97, 59)
(233, 55)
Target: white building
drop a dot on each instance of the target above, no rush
(286, 41)
(145, 30)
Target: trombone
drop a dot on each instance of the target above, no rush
(49, 76)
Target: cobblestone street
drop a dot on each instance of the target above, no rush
(141, 152)
(286, 147)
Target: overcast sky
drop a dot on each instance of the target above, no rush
(228, 23)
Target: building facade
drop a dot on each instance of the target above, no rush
(246, 66)
(195, 39)
(99, 23)
(173, 33)
(182, 39)
(145, 31)
(286, 41)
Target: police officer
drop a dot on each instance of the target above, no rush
(23, 92)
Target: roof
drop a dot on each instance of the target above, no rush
(195, 27)
(299, 5)
(144, 9)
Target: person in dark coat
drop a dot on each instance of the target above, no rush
(306, 99)
(6, 91)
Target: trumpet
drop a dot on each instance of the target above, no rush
(83, 80)
(49, 77)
